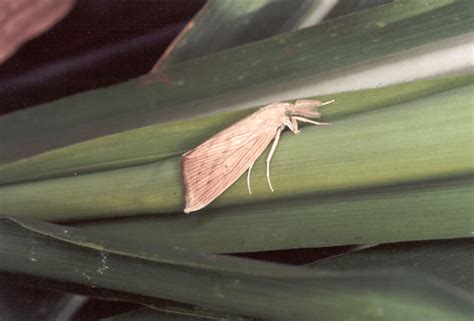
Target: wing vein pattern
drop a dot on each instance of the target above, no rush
(216, 164)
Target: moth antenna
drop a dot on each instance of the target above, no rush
(327, 102)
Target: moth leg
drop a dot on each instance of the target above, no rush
(306, 120)
(272, 150)
(248, 178)
(294, 123)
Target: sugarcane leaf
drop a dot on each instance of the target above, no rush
(223, 80)
(233, 285)
(405, 144)
(400, 213)
(450, 260)
(157, 142)
(224, 24)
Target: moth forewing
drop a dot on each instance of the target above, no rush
(213, 166)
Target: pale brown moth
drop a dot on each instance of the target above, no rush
(213, 166)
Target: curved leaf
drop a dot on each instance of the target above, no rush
(234, 285)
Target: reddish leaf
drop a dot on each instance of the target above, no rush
(21, 20)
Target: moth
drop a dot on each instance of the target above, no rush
(213, 166)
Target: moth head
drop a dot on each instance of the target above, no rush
(308, 108)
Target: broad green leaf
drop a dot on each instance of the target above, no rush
(450, 260)
(224, 24)
(214, 82)
(423, 139)
(428, 210)
(233, 285)
(158, 142)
